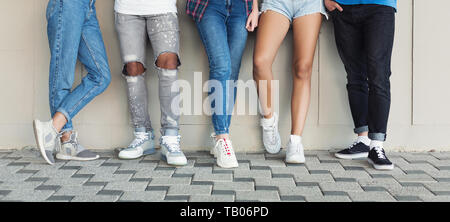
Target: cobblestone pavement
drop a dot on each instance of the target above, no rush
(24, 176)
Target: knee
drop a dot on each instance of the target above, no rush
(261, 63)
(105, 81)
(303, 70)
(167, 61)
(134, 69)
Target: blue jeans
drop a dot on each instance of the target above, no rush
(223, 33)
(74, 33)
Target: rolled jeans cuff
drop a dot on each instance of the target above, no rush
(361, 129)
(220, 132)
(68, 126)
(377, 136)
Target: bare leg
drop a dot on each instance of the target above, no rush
(273, 27)
(306, 32)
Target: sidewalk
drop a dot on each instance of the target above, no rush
(24, 176)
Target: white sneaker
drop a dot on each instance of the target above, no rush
(141, 145)
(223, 151)
(295, 153)
(271, 135)
(72, 150)
(47, 139)
(171, 152)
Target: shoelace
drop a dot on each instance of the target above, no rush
(270, 131)
(353, 145)
(226, 148)
(380, 152)
(139, 138)
(172, 143)
(74, 141)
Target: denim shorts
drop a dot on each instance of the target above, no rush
(293, 9)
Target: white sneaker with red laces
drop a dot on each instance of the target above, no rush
(223, 151)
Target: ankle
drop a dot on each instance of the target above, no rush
(66, 136)
(222, 136)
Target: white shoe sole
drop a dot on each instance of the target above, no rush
(131, 157)
(351, 156)
(175, 163)
(67, 157)
(295, 160)
(381, 167)
(39, 143)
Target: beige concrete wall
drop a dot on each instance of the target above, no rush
(419, 117)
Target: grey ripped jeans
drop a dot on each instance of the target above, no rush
(163, 32)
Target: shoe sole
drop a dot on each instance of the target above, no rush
(67, 157)
(351, 156)
(38, 142)
(381, 167)
(295, 161)
(164, 158)
(147, 152)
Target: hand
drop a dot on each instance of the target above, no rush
(252, 21)
(332, 5)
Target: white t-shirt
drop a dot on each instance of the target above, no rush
(145, 7)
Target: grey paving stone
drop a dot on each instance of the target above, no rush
(157, 188)
(259, 195)
(96, 198)
(340, 186)
(303, 191)
(189, 190)
(24, 176)
(293, 198)
(48, 187)
(373, 189)
(145, 196)
(202, 183)
(407, 198)
(60, 198)
(382, 196)
(110, 192)
(213, 198)
(241, 186)
(126, 186)
(223, 192)
(328, 199)
(177, 197)
(335, 193)
(170, 181)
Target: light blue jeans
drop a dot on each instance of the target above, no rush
(74, 33)
(224, 36)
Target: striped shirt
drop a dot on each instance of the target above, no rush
(196, 8)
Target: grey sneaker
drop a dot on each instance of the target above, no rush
(171, 152)
(141, 145)
(47, 139)
(72, 150)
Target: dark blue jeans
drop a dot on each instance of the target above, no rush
(223, 33)
(364, 38)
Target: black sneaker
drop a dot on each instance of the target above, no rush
(355, 151)
(377, 157)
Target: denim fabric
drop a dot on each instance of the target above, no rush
(163, 31)
(364, 38)
(293, 9)
(74, 33)
(223, 33)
